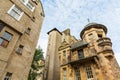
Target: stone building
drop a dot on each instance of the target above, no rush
(20, 25)
(90, 58)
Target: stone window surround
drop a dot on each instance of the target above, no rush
(13, 9)
(28, 4)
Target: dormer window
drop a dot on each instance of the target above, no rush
(80, 54)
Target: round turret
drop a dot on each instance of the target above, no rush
(94, 31)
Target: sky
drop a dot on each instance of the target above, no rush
(74, 14)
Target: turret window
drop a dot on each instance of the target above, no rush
(99, 36)
(91, 36)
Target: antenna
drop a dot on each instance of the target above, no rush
(88, 20)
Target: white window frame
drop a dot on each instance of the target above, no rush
(26, 3)
(12, 15)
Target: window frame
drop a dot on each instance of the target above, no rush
(80, 54)
(4, 42)
(27, 4)
(89, 71)
(28, 30)
(99, 36)
(13, 9)
(20, 49)
(8, 76)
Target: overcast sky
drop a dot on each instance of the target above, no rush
(73, 14)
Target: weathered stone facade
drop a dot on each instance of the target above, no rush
(20, 25)
(91, 58)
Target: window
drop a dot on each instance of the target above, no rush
(8, 76)
(99, 36)
(80, 54)
(15, 12)
(28, 4)
(64, 74)
(1, 26)
(77, 73)
(64, 54)
(91, 36)
(28, 30)
(5, 39)
(89, 71)
(19, 50)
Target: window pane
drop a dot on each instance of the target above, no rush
(1, 40)
(20, 48)
(7, 36)
(30, 6)
(15, 12)
(80, 54)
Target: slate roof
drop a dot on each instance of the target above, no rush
(78, 44)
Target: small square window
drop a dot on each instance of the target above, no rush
(8, 76)
(28, 30)
(20, 48)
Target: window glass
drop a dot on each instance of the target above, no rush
(30, 6)
(77, 73)
(7, 36)
(99, 36)
(28, 30)
(1, 40)
(20, 48)
(80, 54)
